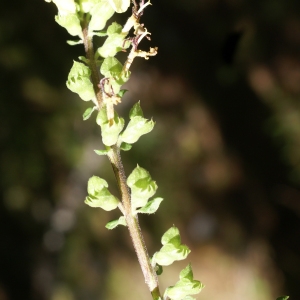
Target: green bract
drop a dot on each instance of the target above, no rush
(109, 131)
(137, 127)
(142, 187)
(185, 287)
(151, 207)
(99, 195)
(120, 6)
(88, 112)
(101, 13)
(172, 248)
(79, 81)
(71, 22)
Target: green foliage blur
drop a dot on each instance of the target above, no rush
(225, 153)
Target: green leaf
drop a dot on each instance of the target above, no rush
(99, 195)
(151, 207)
(73, 43)
(79, 81)
(125, 147)
(283, 298)
(110, 132)
(136, 111)
(113, 224)
(185, 287)
(136, 127)
(101, 152)
(111, 67)
(88, 112)
(120, 6)
(70, 22)
(100, 13)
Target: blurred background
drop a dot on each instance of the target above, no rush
(224, 91)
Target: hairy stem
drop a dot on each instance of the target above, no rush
(90, 55)
(116, 162)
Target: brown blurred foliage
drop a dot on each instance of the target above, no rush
(224, 92)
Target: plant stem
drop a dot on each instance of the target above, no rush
(117, 165)
(90, 55)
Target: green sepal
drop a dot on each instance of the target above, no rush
(283, 298)
(122, 93)
(79, 81)
(99, 195)
(88, 112)
(151, 207)
(109, 131)
(113, 224)
(101, 152)
(185, 287)
(142, 187)
(100, 14)
(125, 146)
(172, 248)
(70, 22)
(136, 111)
(73, 43)
(136, 127)
(120, 6)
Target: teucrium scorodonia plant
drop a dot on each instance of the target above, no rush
(98, 77)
